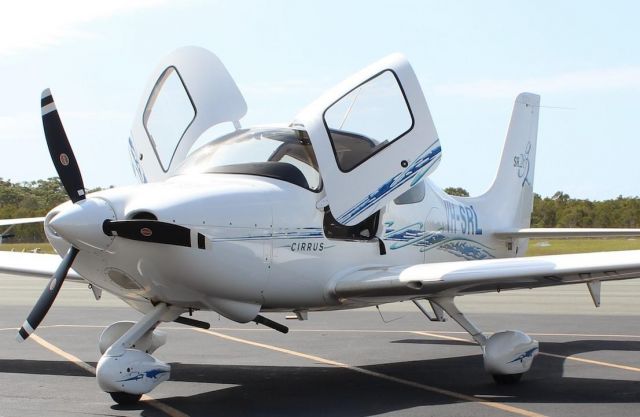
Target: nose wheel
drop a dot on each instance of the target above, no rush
(507, 379)
(122, 398)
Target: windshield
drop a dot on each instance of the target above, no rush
(285, 154)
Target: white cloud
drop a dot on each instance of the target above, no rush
(31, 24)
(600, 80)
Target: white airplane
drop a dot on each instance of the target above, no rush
(332, 211)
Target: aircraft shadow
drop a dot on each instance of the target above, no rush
(323, 390)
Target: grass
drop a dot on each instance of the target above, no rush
(560, 246)
(27, 247)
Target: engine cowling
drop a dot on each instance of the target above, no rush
(133, 372)
(509, 352)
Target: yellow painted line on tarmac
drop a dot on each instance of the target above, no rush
(553, 355)
(167, 409)
(440, 332)
(630, 336)
(593, 362)
(53, 348)
(436, 333)
(441, 336)
(441, 391)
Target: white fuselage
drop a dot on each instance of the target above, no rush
(267, 247)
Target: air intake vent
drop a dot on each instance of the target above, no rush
(142, 215)
(122, 280)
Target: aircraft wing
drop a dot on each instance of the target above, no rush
(9, 222)
(468, 277)
(33, 264)
(565, 232)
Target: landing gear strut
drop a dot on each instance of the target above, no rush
(507, 355)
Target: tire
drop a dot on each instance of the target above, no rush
(122, 398)
(506, 379)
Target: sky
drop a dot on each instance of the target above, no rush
(472, 59)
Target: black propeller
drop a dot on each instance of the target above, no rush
(61, 153)
(48, 296)
(67, 167)
(154, 231)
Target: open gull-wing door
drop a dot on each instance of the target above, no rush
(373, 137)
(189, 92)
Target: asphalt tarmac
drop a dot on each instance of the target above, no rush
(356, 363)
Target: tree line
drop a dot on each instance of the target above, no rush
(29, 199)
(36, 198)
(560, 210)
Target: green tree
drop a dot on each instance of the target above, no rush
(459, 191)
(29, 199)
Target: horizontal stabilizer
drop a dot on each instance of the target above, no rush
(559, 233)
(33, 264)
(9, 222)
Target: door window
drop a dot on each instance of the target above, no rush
(168, 114)
(367, 119)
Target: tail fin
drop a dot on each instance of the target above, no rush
(509, 201)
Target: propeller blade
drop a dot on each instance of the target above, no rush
(48, 296)
(61, 153)
(154, 231)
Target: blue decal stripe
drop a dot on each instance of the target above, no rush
(306, 233)
(135, 162)
(467, 249)
(414, 235)
(153, 374)
(525, 355)
(426, 159)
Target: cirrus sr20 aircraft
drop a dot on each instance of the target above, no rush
(332, 211)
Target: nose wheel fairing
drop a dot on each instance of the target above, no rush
(129, 370)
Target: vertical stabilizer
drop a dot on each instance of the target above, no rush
(509, 201)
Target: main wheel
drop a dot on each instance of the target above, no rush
(123, 398)
(506, 379)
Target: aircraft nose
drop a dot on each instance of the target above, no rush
(81, 224)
